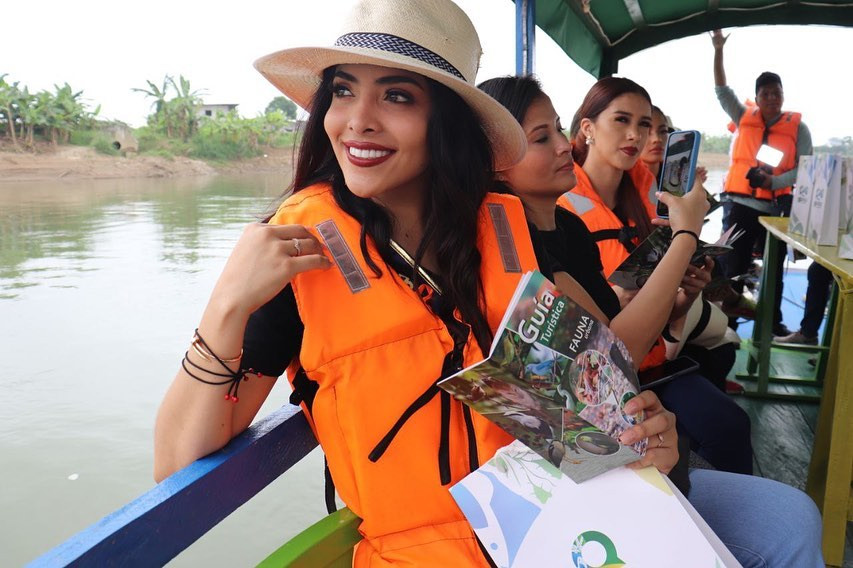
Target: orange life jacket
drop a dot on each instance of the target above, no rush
(748, 139)
(749, 104)
(613, 237)
(376, 352)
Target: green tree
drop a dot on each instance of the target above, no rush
(283, 104)
(9, 103)
(185, 107)
(68, 113)
(158, 119)
(176, 116)
(31, 116)
(716, 144)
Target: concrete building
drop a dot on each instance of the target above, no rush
(211, 109)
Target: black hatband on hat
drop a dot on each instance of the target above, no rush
(398, 45)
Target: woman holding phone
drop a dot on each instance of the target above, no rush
(734, 505)
(718, 428)
(716, 363)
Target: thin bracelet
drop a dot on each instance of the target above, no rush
(686, 232)
(202, 349)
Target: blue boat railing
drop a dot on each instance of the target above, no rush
(161, 523)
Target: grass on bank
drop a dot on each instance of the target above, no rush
(223, 138)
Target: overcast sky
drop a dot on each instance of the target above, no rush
(105, 48)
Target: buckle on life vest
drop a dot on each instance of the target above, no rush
(625, 235)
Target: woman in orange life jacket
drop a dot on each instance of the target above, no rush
(370, 283)
(718, 362)
(717, 428)
(609, 131)
(734, 505)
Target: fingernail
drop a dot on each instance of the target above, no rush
(627, 438)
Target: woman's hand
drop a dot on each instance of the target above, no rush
(697, 277)
(658, 427)
(687, 212)
(718, 40)
(702, 174)
(264, 261)
(694, 281)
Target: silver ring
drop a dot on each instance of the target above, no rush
(660, 437)
(297, 247)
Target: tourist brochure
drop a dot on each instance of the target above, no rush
(826, 200)
(525, 512)
(845, 221)
(801, 201)
(636, 269)
(558, 380)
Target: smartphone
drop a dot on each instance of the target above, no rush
(679, 165)
(661, 374)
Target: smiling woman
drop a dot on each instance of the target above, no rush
(377, 124)
(377, 260)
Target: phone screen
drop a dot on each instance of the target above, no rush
(679, 165)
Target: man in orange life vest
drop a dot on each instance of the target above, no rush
(752, 189)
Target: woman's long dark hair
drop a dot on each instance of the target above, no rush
(515, 93)
(460, 173)
(629, 204)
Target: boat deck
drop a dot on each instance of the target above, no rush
(783, 432)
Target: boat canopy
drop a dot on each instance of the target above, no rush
(596, 34)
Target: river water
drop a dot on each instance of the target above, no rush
(101, 285)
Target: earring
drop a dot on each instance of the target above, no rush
(590, 140)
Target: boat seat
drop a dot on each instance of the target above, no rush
(328, 543)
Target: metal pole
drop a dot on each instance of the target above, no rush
(525, 36)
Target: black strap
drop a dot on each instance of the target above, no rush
(624, 235)
(444, 440)
(473, 456)
(304, 390)
(667, 335)
(452, 363)
(702, 323)
(419, 403)
(331, 505)
(485, 552)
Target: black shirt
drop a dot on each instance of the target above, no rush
(574, 251)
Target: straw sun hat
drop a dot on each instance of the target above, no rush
(433, 38)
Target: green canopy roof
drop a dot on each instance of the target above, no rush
(596, 34)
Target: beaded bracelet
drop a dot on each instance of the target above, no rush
(232, 378)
